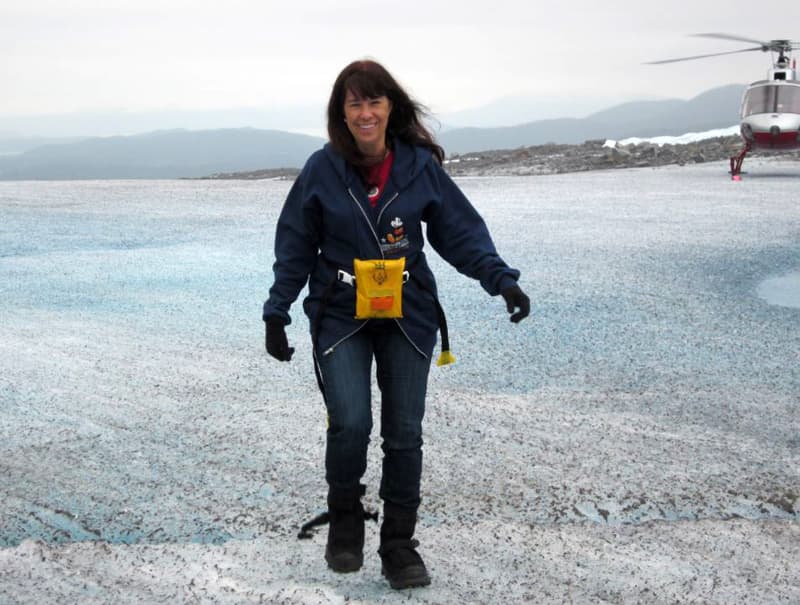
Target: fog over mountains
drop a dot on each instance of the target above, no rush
(187, 152)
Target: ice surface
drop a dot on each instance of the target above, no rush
(783, 290)
(689, 137)
(635, 440)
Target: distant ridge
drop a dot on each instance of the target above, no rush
(162, 154)
(12, 144)
(715, 108)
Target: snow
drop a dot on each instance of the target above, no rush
(634, 440)
(782, 290)
(689, 137)
(461, 159)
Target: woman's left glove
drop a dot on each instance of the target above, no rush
(277, 345)
(516, 299)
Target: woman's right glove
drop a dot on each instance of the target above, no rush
(277, 345)
(516, 299)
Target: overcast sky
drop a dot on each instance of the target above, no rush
(74, 55)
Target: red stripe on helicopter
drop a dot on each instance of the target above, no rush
(783, 140)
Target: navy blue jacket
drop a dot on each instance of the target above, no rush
(327, 221)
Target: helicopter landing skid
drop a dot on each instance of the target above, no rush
(737, 161)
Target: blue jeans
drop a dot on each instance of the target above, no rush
(402, 374)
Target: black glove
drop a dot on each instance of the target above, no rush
(516, 298)
(277, 345)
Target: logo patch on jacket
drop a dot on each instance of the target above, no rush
(396, 238)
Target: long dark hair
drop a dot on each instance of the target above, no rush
(369, 79)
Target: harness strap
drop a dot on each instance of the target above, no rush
(324, 518)
(315, 328)
(445, 357)
(344, 276)
(305, 529)
(350, 280)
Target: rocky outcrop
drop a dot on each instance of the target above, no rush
(554, 158)
(254, 175)
(592, 155)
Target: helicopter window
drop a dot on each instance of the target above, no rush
(791, 99)
(772, 99)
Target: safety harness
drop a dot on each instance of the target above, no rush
(383, 300)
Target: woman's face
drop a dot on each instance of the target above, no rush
(367, 119)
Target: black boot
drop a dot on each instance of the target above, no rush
(401, 563)
(345, 549)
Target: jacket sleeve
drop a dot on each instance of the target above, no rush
(296, 246)
(460, 236)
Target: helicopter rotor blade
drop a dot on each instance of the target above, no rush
(764, 45)
(777, 46)
(730, 52)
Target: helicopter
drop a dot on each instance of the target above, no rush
(770, 109)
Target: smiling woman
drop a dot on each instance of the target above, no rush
(358, 207)
(366, 120)
(360, 86)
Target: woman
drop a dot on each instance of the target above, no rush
(363, 196)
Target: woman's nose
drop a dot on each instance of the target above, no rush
(364, 110)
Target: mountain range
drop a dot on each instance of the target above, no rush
(193, 153)
(715, 108)
(161, 154)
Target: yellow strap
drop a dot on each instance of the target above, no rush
(445, 358)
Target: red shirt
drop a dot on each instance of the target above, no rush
(375, 178)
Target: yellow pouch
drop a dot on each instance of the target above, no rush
(379, 287)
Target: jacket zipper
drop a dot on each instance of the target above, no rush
(366, 218)
(386, 205)
(408, 338)
(341, 340)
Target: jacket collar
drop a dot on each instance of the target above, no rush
(409, 161)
